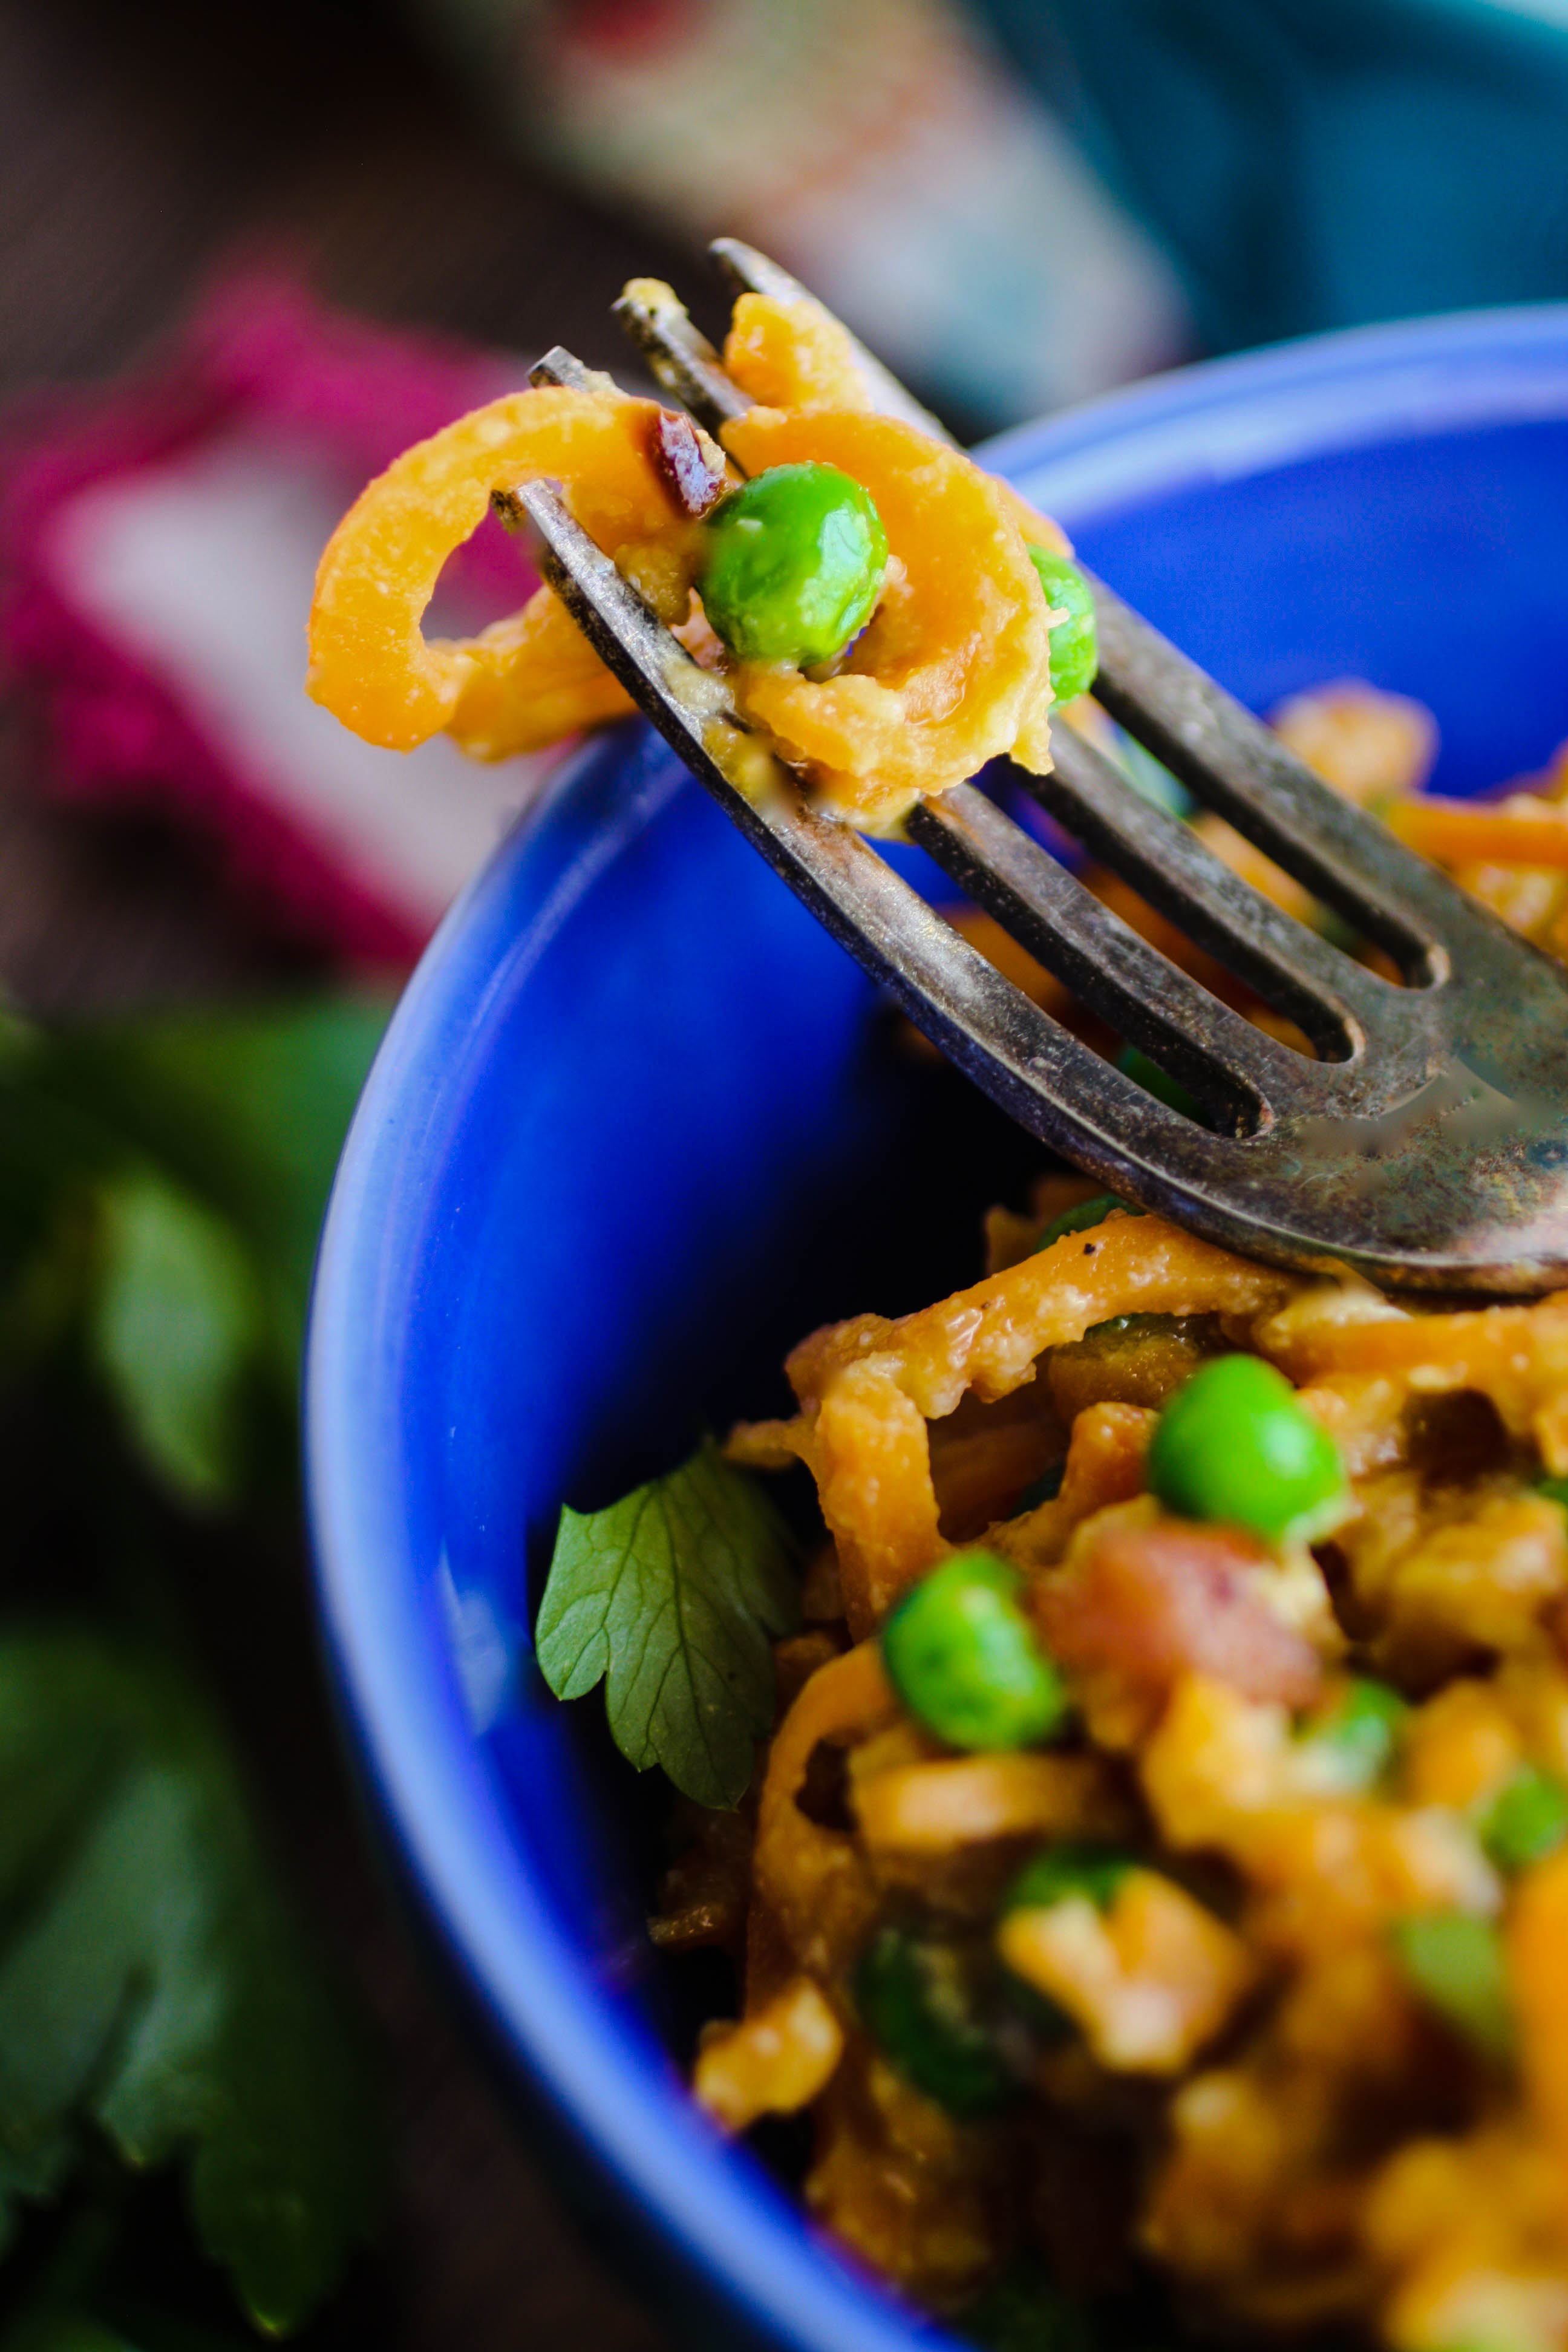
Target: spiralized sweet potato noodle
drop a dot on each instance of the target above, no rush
(868, 1388)
(793, 355)
(370, 663)
(813, 1880)
(1522, 830)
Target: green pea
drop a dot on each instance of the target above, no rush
(963, 1658)
(1235, 1444)
(1078, 1219)
(1359, 1735)
(1062, 1871)
(1526, 1821)
(1075, 650)
(919, 2001)
(1554, 1489)
(1456, 1963)
(794, 565)
(1134, 1064)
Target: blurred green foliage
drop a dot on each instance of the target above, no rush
(161, 1185)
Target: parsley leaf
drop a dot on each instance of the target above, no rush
(153, 1983)
(670, 1597)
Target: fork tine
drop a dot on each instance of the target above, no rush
(750, 272)
(1232, 761)
(1229, 759)
(1453, 1127)
(687, 363)
(1037, 1071)
(680, 354)
(1339, 1003)
(1222, 1057)
(1238, 766)
(1236, 1069)
(560, 366)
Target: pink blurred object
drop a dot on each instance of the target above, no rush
(160, 538)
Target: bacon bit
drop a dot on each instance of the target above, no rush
(694, 473)
(1152, 1603)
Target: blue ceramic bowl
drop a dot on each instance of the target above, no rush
(615, 1151)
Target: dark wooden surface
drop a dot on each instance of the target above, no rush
(138, 146)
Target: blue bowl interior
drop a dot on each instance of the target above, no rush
(1337, 589)
(638, 1124)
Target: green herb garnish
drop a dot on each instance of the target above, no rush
(1064, 1872)
(1455, 1962)
(922, 1999)
(1083, 1215)
(1526, 1821)
(670, 1597)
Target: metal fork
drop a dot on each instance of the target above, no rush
(1427, 1145)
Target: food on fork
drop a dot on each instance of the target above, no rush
(892, 616)
(1408, 1117)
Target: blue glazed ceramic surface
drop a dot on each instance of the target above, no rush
(614, 1139)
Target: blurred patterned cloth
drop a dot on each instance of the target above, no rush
(876, 147)
(159, 538)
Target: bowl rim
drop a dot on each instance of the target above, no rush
(1403, 379)
(727, 2222)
